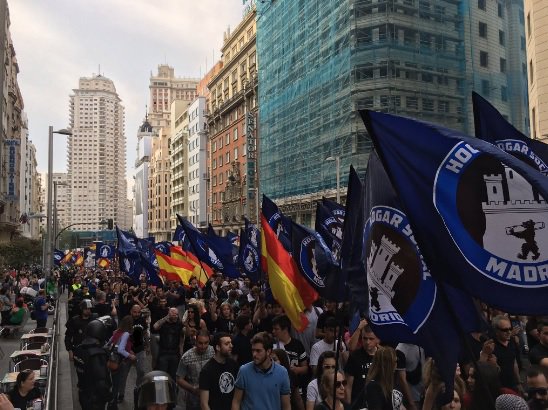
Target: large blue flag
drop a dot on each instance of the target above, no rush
(211, 249)
(491, 126)
(250, 251)
(134, 256)
(279, 223)
(330, 228)
(404, 301)
(335, 208)
(314, 260)
(478, 214)
(352, 273)
(58, 256)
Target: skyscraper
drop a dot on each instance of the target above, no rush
(322, 61)
(96, 155)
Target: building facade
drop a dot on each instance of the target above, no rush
(232, 99)
(322, 62)
(179, 161)
(10, 136)
(536, 31)
(164, 88)
(29, 197)
(145, 136)
(159, 188)
(96, 155)
(197, 162)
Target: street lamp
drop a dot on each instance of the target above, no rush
(55, 218)
(337, 160)
(49, 236)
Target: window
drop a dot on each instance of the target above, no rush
(220, 160)
(502, 65)
(503, 93)
(522, 43)
(227, 158)
(500, 10)
(482, 29)
(235, 134)
(227, 139)
(215, 180)
(443, 106)
(220, 142)
(236, 153)
(485, 88)
(214, 197)
(220, 178)
(484, 59)
(412, 103)
(502, 39)
(531, 72)
(481, 4)
(529, 25)
(214, 164)
(427, 104)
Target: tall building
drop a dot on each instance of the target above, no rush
(197, 162)
(536, 30)
(10, 137)
(321, 62)
(165, 88)
(140, 187)
(178, 152)
(159, 188)
(232, 104)
(29, 195)
(96, 155)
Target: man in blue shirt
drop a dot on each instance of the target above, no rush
(262, 384)
(41, 309)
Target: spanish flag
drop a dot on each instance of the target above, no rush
(67, 258)
(289, 288)
(79, 259)
(175, 270)
(201, 270)
(103, 263)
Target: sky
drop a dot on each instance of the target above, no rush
(58, 41)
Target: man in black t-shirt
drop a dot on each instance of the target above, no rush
(217, 378)
(539, 353)
(241, 343)
(171, 329)
(358, 364)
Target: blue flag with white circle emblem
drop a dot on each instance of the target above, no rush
(478, 214)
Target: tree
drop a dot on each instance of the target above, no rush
(19, 252)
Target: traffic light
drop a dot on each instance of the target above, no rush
(110, 224)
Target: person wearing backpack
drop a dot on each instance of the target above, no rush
(121, 340)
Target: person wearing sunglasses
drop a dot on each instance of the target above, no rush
(24, 392)
(506, 351)
(537, 388)
(333, 381)
(326, 362)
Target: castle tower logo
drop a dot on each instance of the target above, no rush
(401, 289)
(495, 217)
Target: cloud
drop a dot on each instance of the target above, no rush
(59, 41)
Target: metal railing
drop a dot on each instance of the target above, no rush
(50, 398)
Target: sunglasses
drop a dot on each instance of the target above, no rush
(505, 329)
(340, 383)
(541, 391)
(329, 366)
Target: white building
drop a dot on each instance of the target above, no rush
(97, 155)
(140, 188)
(197, 163)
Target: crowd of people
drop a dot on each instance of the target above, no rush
(227, 346)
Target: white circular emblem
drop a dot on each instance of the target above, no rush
(226, 382)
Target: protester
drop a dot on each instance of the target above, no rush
(280, 356)
(170, 344)
(379, 388)
(41, 309)
(539, 353)
(537, 388)
(333, 381)
(123, 346)
(326, 362)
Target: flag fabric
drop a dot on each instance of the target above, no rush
(78, 259)
(492, 127)
(230, 237)
(103, 263)
(89, 257)
(352, 270)
(404, 300)
(67, 258)
(104, 251)
(175, 270)
(279, 223)
(134, 256)
(478, 214)
(330, 228)
(335, 208)
(214, 250)
(249, 251)
(58, 256)
(289, 288)
(164, 247)
(314, 259)
(201, 269)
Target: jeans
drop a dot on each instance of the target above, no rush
(140, 367)
(168, 362)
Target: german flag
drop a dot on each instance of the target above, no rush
(289, 288)
(175, 270)
(201, 270)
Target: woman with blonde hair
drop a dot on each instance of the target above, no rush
(379, 388)
(332, 381)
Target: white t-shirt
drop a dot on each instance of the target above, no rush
(312, 392)
(318, 348)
